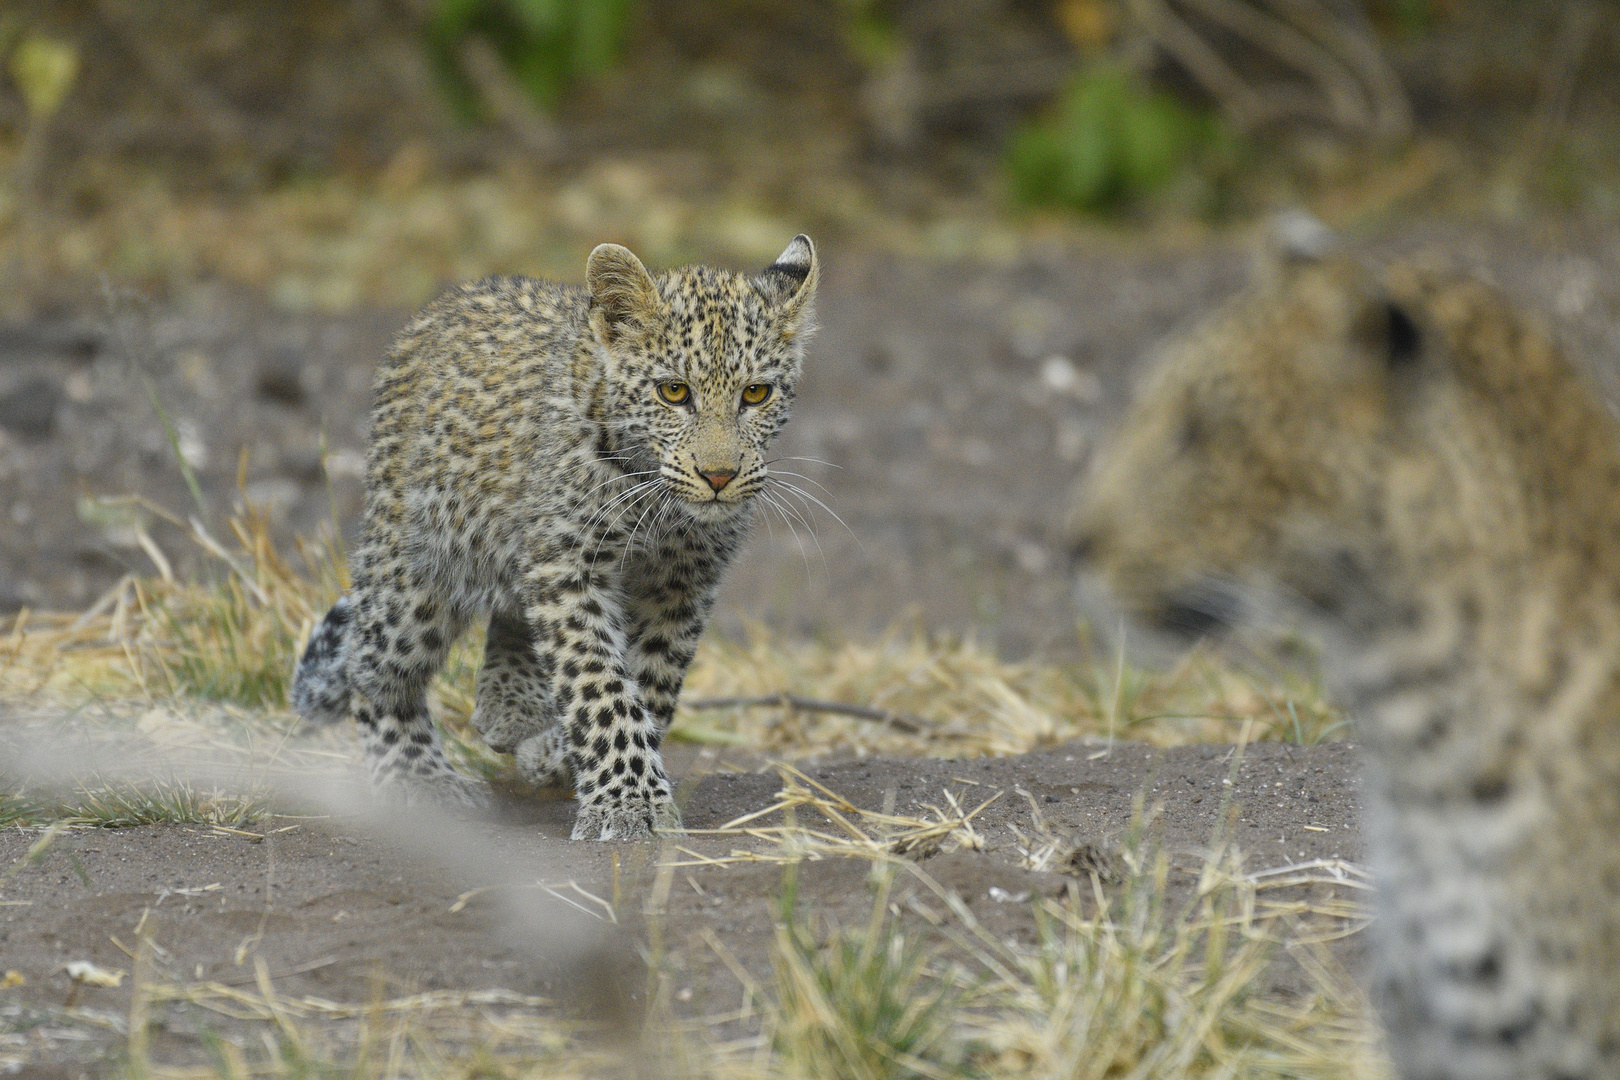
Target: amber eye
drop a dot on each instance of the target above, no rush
(676, 393)
(756, 394)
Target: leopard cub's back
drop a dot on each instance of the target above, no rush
(473, 406)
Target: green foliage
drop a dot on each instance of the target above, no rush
(1413, 17)
(870, 32)
(43, 70)
(1109, 141)
(545, 44)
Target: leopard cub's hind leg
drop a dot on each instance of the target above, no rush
(513, 699)
(401, 638)
(542, 759)
(514, 711)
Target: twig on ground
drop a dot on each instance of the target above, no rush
(912, 725)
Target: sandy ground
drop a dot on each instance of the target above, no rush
(339, 914)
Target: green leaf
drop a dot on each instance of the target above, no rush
(1090, 133)
(543, 18)
(1035, 162)
(599, 29)
(451, 17)
(44, 70)
(1155, 141)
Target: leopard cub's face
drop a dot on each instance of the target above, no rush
(703, 367)
(1252, 470)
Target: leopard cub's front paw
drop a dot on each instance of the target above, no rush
(444, 789)
(634, 818)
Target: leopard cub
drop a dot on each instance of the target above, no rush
(577, 466)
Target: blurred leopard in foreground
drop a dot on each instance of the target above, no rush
(578, 466)
(1406, 466)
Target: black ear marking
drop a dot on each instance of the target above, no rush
(791, 279)
(1388, 334)
(796, 271)
(1404, 340)
(796, 260)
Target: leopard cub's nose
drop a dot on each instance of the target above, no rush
(719, 479)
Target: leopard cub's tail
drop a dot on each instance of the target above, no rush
(320, 690)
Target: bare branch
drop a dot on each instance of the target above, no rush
(514, 111)
(1347, 101)
(1392, 112)
(899, 721)
(223, 122)
(1247, 108)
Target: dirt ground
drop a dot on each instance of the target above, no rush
(338, 914)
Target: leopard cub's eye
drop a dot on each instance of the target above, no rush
(676, 393)
(756, 394)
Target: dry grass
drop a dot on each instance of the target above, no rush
(1146, 977)
(974, 704)
(1141, 973)
(1147, 967)
(234, 640)
(332, 242)
(1161, 970)
(121, 805)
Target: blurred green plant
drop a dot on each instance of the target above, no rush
(43, 70)
(870, 30)
(1411, 17)
(1110, 141)
(545, 44)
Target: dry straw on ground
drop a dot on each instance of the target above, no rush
(1138, 976)
(1124, 981)
(1133, 975)
(233, 640)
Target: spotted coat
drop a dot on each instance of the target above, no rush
(1410, 468)
(577, 466)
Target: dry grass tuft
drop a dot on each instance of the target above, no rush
(862, 1004)
(231, 639)
(1147, 978)
(971, 703)
(848, 831)
(125, 804)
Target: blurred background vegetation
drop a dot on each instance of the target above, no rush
(334, 152)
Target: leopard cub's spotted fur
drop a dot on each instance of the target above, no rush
(1407, 466)
(577, 466)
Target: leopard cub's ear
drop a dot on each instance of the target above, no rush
(789, 283)
(624, 297)
(1386, 330)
